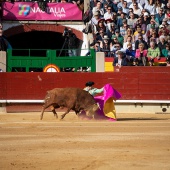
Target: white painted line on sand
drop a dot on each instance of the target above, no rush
(80, 126)
(91, 122)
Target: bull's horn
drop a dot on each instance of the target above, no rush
(99, 106)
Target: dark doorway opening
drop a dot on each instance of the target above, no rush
(40, 40)
(37, 40)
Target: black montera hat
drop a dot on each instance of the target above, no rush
(89, 83)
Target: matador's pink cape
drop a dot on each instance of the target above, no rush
(106, 102)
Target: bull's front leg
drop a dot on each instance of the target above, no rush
(42, 112)
(54, 112)
(63, 115)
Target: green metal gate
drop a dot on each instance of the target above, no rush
(26, 60)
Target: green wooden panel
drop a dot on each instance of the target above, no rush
(14, 61)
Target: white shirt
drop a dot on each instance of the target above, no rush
(125, 45)
(100, 10)
(150, 8)
(108, 15)
(137, 12)
(139, 5)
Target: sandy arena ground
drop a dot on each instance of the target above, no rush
(135, 141)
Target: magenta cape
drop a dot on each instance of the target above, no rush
(106, 102)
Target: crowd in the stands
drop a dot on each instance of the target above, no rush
(134, 32)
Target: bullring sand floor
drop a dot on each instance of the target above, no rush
(135, 141)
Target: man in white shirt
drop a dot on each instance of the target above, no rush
(129, 41)
(139, 5)
(108, 14)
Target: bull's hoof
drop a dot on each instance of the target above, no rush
(56, 116)
(62, 117)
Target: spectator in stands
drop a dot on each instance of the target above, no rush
(110, 28)
(153, 24)
(136, 9)
(132, 5)
(93, 3)
(166, 35)
(158, 5)
(96, 46)
(101, 25)
(99, 8)
(100, 36)
(120, 20)
(165, 23)
(108, 14)
(162, 44)
(120, 60)
(93, 23)
(142, 12)
(129, 41)
(167, 15)
(163, 29)
(141, 2)
(125, 8)
(96, 17)
(118, 36)
(114, 18)
(145, 19)
(167, 6)
(140, 40)
(119, 12)
(153, 52)
(138, 31)
(120, 4)
(131, 20)
(106, 46)
(153, 36)
(131, 11)
(115, 48)
(160, 16)
(152, 16)
(105, 7)
(124, 28)
(115, 41)
(129, 33)
(166, 51)
(112, 5)
(141, 55)
(150, 6)
(130, 54)
(142, 23)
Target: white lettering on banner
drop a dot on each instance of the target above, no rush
(57, 12)
(37, 10)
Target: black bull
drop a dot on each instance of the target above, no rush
(75, 99)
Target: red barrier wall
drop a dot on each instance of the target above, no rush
(141, 83)
(134, 83)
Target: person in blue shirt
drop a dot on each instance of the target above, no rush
(130, 54)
